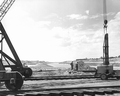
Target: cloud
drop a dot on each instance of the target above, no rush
(87, 12)
(77, 26)
(117, 16)
(58, 43)
(55, 44)
(95, 16)
(84, 17)
(44, 23)
(114, 27)
(101, 15)
(77, 16)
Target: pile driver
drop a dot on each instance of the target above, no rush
(106, 70)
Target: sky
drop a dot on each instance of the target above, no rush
(60, 30)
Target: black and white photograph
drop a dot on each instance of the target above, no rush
(59, 47)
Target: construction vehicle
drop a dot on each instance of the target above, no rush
(16, 63)
(106, 70)
(13, 79)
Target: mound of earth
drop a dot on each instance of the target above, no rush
(38, 65)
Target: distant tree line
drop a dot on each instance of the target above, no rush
(99, 58)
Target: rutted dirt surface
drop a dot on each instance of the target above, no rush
(46, 84)
(54, 83)
(68, 83)
(43, 84)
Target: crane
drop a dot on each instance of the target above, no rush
(4, 7)
(106, 70)
(17, 65)
(106, 43)
(13, 79)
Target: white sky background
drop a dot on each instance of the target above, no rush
(58, 30)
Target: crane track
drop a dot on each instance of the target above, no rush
(61, 77)
(70, 91)
(88, 87)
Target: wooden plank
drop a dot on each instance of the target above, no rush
(66, 93)
(99, 92)
(78, 94)
(108, 92)
(60, 77)
(43, 94)
(115, 91)
(18, 95)
(89, 92)
(54, 94)
(30, 94)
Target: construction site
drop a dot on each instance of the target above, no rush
(79, 77)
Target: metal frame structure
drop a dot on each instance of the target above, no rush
(4, 7)
(13, 79)
(26, 71)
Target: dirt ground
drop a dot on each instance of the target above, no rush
(44, 84)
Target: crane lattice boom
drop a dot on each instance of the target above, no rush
(4, 7)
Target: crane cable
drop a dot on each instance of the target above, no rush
(105, 15)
